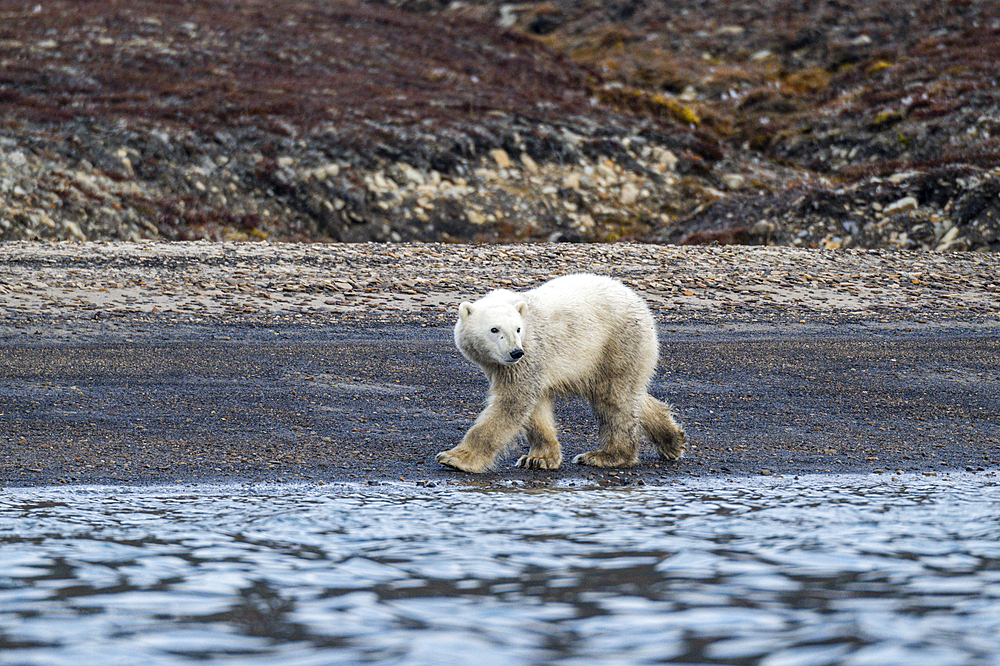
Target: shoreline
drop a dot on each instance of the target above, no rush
(185, 488)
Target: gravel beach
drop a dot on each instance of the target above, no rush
(172, 362)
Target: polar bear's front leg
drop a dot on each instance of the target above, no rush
(466, 459)
(495, 428)
(545, 452)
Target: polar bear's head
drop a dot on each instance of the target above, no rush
(491, 330)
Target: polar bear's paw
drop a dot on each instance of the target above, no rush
(539, 462)
(606, 459)
(465, 459)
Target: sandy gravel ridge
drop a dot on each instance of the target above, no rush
(423, 283)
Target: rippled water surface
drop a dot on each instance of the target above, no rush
(817, 570)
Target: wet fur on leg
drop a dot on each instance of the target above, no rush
(662, 429)
(618, 429)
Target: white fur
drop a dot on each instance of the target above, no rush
(583, 335)
(496, 324)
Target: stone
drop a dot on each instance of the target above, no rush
(948, 240)
(904, 205)
(734, 181)
(571, 181)
(630, 193)
(413, 177)
(666, 158)
(501, 158)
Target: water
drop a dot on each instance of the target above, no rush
(818, 570)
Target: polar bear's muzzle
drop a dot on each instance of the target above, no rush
(515, 355)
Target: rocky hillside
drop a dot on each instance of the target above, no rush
(814, 123)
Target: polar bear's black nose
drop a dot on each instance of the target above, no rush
(516, 354)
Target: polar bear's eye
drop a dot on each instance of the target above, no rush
(494, 330)
(518, 330)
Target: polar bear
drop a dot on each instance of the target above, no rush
(583, 335)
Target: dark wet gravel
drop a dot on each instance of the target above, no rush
(374, 405)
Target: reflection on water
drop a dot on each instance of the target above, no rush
(811, 571)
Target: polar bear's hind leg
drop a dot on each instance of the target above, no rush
(618, 434)
(664, 432)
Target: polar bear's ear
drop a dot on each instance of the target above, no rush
(465, 309)
(522, 308)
